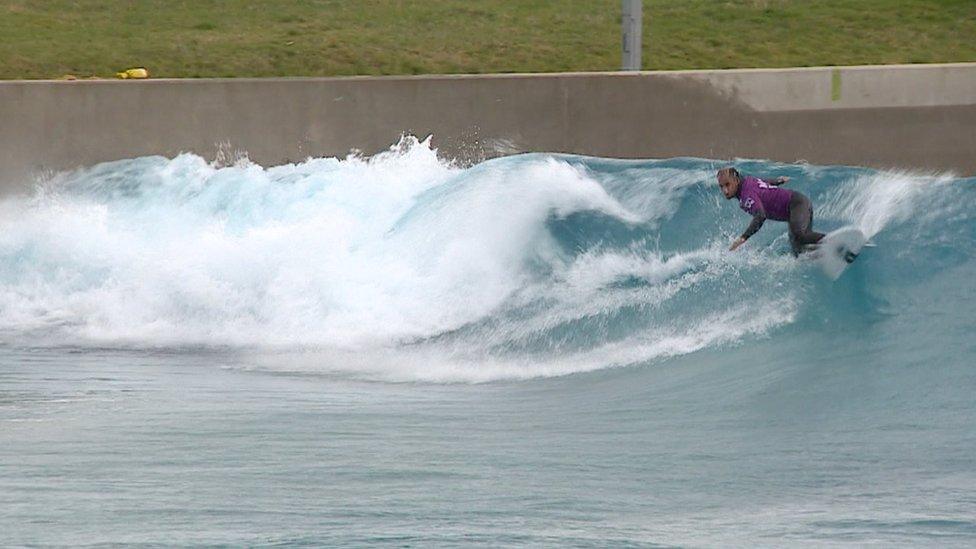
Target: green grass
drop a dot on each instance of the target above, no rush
(212, 38)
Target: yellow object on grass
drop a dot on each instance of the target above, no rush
(133, 73)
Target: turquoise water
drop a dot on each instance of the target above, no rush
(535, 350)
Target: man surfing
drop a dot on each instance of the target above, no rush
(763, 200)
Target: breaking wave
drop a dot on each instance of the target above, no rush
(404, 266)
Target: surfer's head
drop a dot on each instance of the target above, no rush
(729, 181)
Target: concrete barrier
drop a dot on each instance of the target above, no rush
(911, 116)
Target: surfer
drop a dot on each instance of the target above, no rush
(764, 199)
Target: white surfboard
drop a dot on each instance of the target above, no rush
(838, 249)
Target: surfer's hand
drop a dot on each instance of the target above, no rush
(738, 242)
(781, 180)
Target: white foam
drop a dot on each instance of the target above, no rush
(398, 267)
(451, 365)
(872, 202)
(345, 253)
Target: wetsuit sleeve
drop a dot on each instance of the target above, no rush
(758, 219)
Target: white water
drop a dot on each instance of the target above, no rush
(404, 266)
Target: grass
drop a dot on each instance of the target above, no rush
(248, 38)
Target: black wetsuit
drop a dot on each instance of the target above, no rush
(801, 219)
(765, 200)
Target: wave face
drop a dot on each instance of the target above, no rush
(403, 266)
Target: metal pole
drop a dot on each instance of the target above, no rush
(631, 26)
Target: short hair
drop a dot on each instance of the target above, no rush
(729, 171)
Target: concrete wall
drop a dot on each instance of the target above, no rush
(915, 116)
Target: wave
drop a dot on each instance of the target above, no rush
(405, 266)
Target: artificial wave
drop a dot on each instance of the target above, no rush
(404, 266)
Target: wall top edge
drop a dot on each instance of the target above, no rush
(513, 75)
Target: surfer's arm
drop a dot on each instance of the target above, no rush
(781, 180)
(758, 219)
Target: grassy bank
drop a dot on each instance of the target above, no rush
(210, 38)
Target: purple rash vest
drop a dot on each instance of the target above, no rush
(756, 195)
